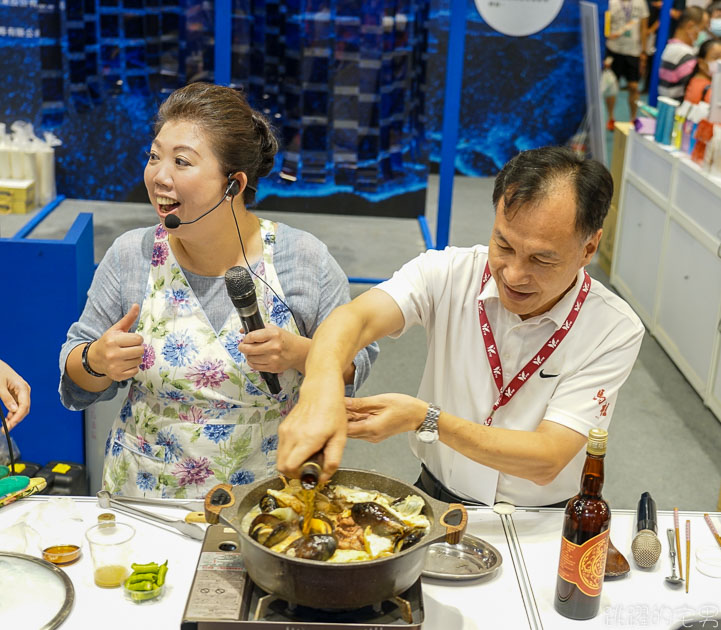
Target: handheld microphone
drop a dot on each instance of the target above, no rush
(646, 547)
(241, 291)
(172, 221)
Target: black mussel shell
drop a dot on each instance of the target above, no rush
(409, 539)
(315, 547)
(381, 521)
(268, 503)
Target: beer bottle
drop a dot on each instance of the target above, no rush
(584, 543)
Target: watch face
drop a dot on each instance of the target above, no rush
(428, 437)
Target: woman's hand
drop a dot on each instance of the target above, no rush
(376, 418)
(15, 394)
(272, 349)
(118, 353)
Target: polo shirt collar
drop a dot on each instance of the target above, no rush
(557, 313)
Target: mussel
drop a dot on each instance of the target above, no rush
(269, 530)
(268, 503)
(315, 547)
(319, 524)
(410, 538)
(381, 521)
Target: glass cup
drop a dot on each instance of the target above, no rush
(110, 547)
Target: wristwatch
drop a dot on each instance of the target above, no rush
(428, 431)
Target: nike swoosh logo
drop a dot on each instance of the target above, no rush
(542, 375)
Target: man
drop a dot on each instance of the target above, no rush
(517, 327)
(626, 42)
(678, 60)
(14, 393)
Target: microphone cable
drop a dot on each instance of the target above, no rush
(247, 264)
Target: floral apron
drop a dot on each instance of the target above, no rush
(196, 414)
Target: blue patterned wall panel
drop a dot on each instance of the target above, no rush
(352, 101)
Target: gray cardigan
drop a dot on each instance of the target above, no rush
(312, 281)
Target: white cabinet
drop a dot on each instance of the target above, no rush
(667, 258)
(688, 305)
(640, 234)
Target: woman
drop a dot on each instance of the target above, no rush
(158, 315)
(699, 87)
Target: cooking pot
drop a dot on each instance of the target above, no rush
(329, 585)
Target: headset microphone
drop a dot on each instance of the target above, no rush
(172, 221)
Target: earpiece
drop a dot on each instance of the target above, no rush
(233, 186)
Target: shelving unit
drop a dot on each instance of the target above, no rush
(667, 258)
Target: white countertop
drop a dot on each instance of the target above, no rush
(641, 599)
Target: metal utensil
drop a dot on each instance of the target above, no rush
(106, 500)
(191, 506)
(673, 578)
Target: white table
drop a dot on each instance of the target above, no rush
(519, 595)
(641, 599)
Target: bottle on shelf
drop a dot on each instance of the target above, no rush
(584, 543)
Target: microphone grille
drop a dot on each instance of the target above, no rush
(239, 283)
(172, 221)
(646, 548)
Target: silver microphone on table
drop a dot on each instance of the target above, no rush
(646, 547)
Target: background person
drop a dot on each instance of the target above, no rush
(158, 315)
(699, 87)
(678, 60)
(626, 45)
(525, 352)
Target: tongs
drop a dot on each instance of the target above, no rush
(106, 500)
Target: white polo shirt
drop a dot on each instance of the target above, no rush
(576, 387)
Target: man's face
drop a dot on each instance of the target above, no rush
(535, 255)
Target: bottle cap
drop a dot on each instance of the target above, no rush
(597, 440)
(106, 519)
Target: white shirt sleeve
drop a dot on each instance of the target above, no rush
(586, 399)
(413, 287)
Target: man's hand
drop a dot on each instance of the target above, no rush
(316, 423)
(376, 418)
(14, 393)
(118, 353)
(272, 349)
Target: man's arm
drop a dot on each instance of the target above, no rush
(535, 455)
(318, 422)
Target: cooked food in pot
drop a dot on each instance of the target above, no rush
(336, 523)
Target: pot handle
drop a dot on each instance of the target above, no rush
(218, 498)
(454, 519)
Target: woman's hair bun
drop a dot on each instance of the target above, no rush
(268, 145)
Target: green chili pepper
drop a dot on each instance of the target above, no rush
(161, 573)
(147, 585)
(142, 577)
(151, 567)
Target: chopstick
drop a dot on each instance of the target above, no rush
(688, 553)
(710, 524)
(678, 543)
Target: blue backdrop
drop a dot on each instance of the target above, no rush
(518, 93)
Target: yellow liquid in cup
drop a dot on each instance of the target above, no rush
(110, 576)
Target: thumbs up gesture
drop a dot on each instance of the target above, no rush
(118, 353)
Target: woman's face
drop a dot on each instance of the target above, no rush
(183, 176)
(712, 54)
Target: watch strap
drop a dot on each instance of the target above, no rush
(430, 422)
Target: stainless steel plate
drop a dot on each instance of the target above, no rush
(468, 560)
(35, 593)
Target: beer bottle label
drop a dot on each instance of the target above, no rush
(584, 565)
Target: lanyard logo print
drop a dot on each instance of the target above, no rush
(505, 394)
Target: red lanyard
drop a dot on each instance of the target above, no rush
(505, 394)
